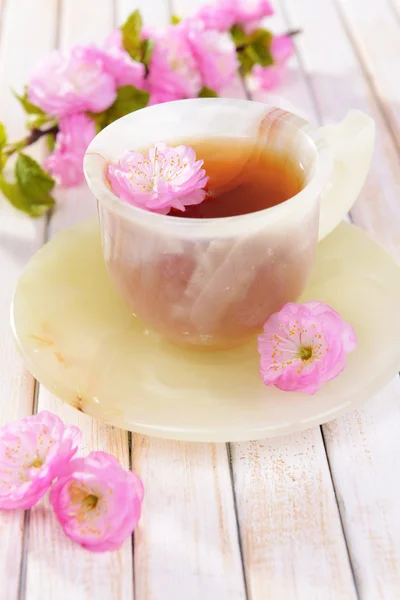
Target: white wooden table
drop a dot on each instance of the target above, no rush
(311, 516)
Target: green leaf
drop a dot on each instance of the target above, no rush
(207, 92)
(238, 35)
(3, 136)
(32, 179)
(36, 121)
(131, 31)
(147, 50)
(129, 99)
(51, 142)
(260, 46)
(175, 20)
(17, 197)
(28, 107)
(246, 60)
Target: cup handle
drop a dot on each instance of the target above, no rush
(351, 143)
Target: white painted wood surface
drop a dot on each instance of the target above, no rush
(310, 516)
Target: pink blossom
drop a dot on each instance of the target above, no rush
(119, 64)
(222, 15)
(162, 179)
(266, 78)
(304, 346)
(215, 54)
(97, 502)
(70, 82)
(282, 48)
(173, 71)
(33, 451)
(246, 11)
(65, 163)
(219, 17)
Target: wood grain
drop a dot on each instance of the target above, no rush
(68, 570)
(363, 451)
(374, 31)
(186, 547)
(369, 496)
(293, 544)
(20, 237)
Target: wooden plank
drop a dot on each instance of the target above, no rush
(280, 483)
(358, 444)
(292, 539)
(337, 83)
(186, 546)
(67, 570)
(375, 33)
(363, 451)
(20, 237)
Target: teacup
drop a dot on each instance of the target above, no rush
(213, 282)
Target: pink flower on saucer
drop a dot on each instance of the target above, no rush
(97, 502)
(159, 180)
(33, 451)
(74, 136)
(304, 346)
(70, 82)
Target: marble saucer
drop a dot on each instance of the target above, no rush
(81, 342)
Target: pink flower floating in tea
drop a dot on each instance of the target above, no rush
(304, 346)
(33, 451)
(159, 180)
(97, 502)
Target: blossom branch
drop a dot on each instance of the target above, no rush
(34, 135)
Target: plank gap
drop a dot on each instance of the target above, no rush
(236, 513)
(24, 557)
(339, 504)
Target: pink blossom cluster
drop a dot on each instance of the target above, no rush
(199, 52)
(96, 501)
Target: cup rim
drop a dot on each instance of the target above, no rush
(94, 164)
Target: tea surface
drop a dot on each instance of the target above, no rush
(243, 178)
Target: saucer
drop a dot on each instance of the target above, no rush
(81, 342)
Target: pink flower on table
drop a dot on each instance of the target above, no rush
(266, 78)
(173, 71)
(119, 64)
(33, 451)
(304, 346)
(215, 54)
(70, 82)
(159, 180)
(65, 163)
(97, 502)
